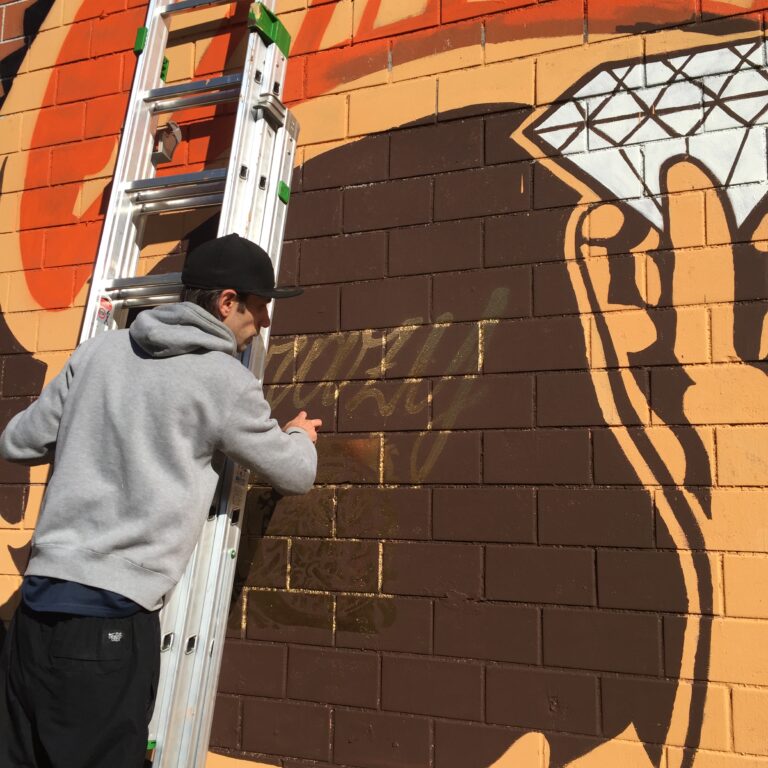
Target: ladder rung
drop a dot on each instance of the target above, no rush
(214, 83)
(144, 291)
(186, 102)
(133, 284)
(181, 203)
(187, 5)
(174, 193)
(180, 179)
(150, 300)
(195, 94)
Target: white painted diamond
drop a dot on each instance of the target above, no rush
(633, 132)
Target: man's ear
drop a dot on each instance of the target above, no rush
(227, 302)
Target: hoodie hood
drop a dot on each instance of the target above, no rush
(180, 329)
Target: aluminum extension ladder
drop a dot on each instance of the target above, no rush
(252, 195)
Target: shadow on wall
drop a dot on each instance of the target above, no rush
(22, 375)
(22, 380)
(369, 223)
(34, 16)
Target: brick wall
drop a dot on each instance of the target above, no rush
(532, 238)
(484, 534)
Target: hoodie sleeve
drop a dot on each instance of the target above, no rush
(30, 437)
(286, 460)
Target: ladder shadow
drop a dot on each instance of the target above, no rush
(260, 506)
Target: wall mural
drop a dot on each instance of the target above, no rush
(535, 327)
(677, 122)
(626, 124)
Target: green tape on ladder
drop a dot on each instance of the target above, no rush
(271, 29)
(164, 69)
(141, 39)
(284, 192)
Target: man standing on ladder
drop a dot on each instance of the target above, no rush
(134, 421)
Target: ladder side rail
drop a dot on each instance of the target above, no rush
(244, 209)
(224, 575)
(133, 157)
(241, 190)
(278, 68)
(290, 139)
(220, 615)
(271, 87)
(173, 623)
(173, 683)
(255, 154)
(273, 226)
(173, 626)
(209, 639)
(163, 726)
(172, 733)
(256, 363)
(266, 76)
(221, 574)
(171, 730)
(264, 229)
(174, 747)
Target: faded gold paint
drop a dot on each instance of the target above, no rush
(405, 393)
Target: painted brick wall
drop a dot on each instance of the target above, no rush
(533, 242)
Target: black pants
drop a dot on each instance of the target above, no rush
(77, 691)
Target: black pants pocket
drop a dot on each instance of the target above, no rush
(88, 638)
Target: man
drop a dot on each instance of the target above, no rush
(134, 421)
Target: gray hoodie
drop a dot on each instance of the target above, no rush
(134, 419)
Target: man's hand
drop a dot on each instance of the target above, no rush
(310, 426)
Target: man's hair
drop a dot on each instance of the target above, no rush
(208, 299)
